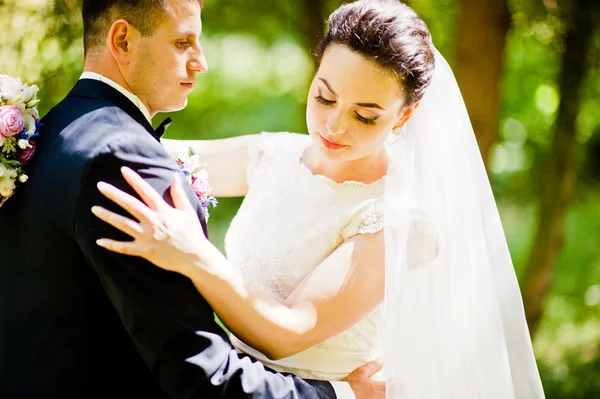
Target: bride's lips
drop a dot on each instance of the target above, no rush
(189, 85)
(331, 145)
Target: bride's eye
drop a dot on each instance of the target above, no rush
(364, 120)
(323, 100)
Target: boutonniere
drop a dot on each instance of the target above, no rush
(197, 176)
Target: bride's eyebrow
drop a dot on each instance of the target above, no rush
(369, 105)
(328, 86)
(363, 105)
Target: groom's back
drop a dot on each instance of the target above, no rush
(61, 336)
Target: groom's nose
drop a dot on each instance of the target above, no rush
(198, 64)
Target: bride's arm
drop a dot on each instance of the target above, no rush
(226, 161)
(343, 289)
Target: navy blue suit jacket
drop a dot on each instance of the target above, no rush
(78, 321)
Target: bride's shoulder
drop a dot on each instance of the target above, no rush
(368, 217)
(275, 148)
(423, 238)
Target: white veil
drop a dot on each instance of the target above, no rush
(456, 326)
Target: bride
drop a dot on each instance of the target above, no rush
(375, 236)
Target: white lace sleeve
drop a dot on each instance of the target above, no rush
(423, 242)
(367, 218)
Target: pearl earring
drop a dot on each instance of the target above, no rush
(400, 131)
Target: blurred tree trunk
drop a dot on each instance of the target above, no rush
(479, 63)
(314, 22)
(312, 25)
(314, 18)
(558, 183)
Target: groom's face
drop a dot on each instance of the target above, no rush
(164, 67)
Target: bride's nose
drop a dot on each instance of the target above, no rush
(335, 124)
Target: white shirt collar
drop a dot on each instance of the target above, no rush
(134, 99)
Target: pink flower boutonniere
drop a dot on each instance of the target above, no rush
(197, 176)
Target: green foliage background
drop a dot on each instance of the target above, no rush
(259, 70)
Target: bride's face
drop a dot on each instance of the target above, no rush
(353, 105)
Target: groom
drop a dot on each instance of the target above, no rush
(77, 321)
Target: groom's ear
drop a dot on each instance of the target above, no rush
(120, 40)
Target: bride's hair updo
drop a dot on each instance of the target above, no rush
(389, 33)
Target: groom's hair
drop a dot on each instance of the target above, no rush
(99, 15)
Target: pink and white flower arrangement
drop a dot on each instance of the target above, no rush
(19, 124)
(197, 176)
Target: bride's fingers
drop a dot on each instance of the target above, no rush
(128, 202)
(126, 248)
(119, 222)
(180, 199)
(146, 192)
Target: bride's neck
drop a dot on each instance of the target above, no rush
(367, 170)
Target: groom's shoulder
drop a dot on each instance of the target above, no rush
(91, 126)
(88, 114)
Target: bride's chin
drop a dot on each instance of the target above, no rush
(330, 155)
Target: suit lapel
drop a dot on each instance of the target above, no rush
(90, 88)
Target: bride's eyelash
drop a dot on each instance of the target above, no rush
(364, 120)
(358, 116)
(324, 101)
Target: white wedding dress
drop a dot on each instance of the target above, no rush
(289, 222)
(455, 326)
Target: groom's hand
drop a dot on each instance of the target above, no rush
(361, 383)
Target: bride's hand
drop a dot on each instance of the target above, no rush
(171, 238)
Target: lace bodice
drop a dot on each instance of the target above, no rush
(289, 222)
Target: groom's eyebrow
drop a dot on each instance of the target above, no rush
(192, 34)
